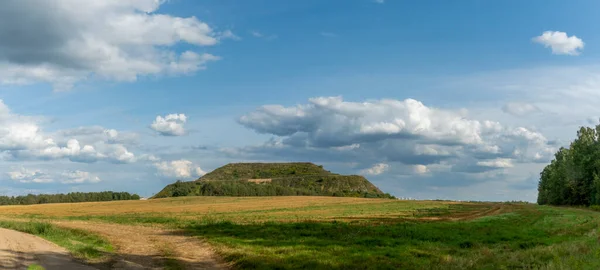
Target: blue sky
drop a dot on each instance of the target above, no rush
(428, 99)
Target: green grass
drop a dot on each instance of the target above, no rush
(391, 235)
(531, 237)
(82, 245)
(35, 267)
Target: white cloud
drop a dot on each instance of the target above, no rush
(91, 134)
(30, 176)
(72, 150)
(188, 62)
(386, 131)
(420, 169)
(227, 34)
(21, 137)
(496, 163)
(520, 108)
(377, 169)
(183, 169)
(41, 177)
(170, 125)
(78, 177)
(560, 42)
(347, 147)
(257, 34)
(119, 154)
(149, 157)
(112, 40)
(331, 121)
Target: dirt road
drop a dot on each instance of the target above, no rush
(19, 250)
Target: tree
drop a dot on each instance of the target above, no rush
(573, 177)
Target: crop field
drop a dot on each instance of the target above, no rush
(333, 233)
(235, 209)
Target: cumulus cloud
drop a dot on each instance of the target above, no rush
(560, 42)
(113, 40)
(420, 169)
(181, 169)
(22, 138)
(30, 176)
(26, 176)
(520, 108)
(383, 131)
(334, 122)
(377, 169)
(78, 177)
(119, 154)
(98, 133)
(496, 163)
(170, 125)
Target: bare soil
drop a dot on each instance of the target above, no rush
(142, 247)
(20, 250)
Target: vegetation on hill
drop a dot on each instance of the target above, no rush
(243, 171)
(276, 179)
(573, 177)
(68, 198)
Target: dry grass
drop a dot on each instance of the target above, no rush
(270, 208)
(306, 232)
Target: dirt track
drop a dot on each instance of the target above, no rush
(19, 250)
(136, 247)
(140, 247)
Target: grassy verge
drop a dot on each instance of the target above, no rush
(82, 245)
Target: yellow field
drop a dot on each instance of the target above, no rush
(317, 232)
(238, 209)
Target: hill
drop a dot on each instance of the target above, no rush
(274, 179)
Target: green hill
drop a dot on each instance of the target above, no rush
(274, 179)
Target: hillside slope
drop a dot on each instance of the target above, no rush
(274, 179)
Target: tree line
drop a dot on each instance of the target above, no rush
(72, 197)
(573, 176)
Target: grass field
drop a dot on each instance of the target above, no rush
(353, 233)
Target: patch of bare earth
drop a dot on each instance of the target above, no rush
(490, 210)
(19, 250)
(142, 247)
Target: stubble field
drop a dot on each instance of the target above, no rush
(326, 233)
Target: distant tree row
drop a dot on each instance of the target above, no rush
(68, 198)
(573, 177)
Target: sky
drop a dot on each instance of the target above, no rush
(461, 100)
